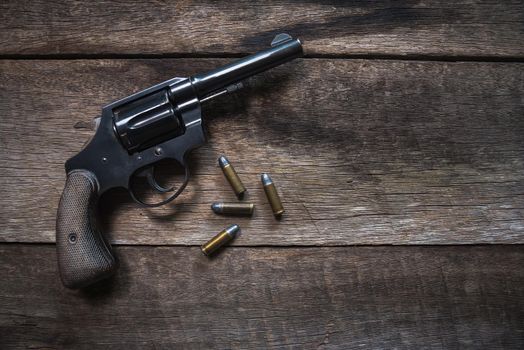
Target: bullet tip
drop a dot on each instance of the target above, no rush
(222, 161)
(233, 230)
(266, 180)
(216, 207)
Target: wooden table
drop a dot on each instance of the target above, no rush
(397, 144)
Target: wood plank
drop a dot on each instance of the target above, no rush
(363, 152)
(345, 297)
(445, 28)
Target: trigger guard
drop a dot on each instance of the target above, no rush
(171, 198)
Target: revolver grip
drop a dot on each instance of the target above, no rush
(84, 256)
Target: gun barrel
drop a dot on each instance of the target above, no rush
(282, 50)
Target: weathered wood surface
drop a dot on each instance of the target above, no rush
(344, 298)
(408, 27)
(363, 152)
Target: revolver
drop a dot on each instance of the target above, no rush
(133, 134)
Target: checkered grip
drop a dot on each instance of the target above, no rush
(84, 257)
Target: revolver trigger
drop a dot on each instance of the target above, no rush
(149, 174)
(152, 182)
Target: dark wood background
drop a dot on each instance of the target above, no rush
(397, 145)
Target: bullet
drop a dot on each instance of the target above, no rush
(233, 208)
(220, 239)
(232, 177)
(272, 195)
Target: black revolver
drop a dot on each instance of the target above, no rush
(161, 122)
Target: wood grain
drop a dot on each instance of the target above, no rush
(363, 152)
(342, 298)
(406, 28)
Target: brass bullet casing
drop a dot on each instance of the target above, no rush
(232, 177)
(272, 195)
(233, 208)
(220, 239)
